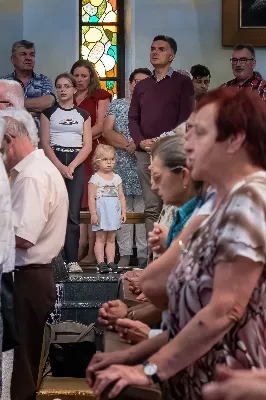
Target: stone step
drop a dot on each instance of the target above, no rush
(90, 287)
(83, 312)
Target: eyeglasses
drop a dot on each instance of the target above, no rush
(64, 87)
(179, 168)
(242, 61)
(106, 160)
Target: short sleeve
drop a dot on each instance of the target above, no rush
(118, 179)
(102, 95)
(242, 229)
(29, 221)
(208, 205)
(48, 112)
(112, 110)
(94, 179)
(85, 115)
(47, 86)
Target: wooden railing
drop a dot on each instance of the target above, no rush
(132, 218)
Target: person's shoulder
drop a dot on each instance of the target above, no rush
(82, 112)
(95, 178)
(117, 177)
(41, 77)
(48, 112)
(180, 76)
(102, 94)
(9, 77)
(251, 193)
(118, 102)
(229, 83)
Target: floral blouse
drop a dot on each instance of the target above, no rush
(236, 228)
(126, 164)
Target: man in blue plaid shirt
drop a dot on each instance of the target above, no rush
(38, 89)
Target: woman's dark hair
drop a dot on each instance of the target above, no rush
(169, 40)
(94, 85)
(67, 76)
(144, 71)
(199, 71)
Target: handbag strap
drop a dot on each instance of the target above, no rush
(85, 333)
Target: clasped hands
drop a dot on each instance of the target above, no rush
(67, 171)
(146, 145)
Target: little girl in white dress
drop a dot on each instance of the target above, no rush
(107, 206)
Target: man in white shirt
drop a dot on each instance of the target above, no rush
(40, 209)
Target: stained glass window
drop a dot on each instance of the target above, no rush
(102, 41)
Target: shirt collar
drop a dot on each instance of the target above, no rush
(169, 73)
(188, 208)
(250, 80)
(35, 154)
(15, 75)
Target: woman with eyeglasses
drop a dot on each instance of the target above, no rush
(66, 139)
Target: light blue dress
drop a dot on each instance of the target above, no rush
(108, 205)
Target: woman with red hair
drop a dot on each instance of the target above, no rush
(216, 291)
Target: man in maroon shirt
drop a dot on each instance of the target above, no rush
(158, 105)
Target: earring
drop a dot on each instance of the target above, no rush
(185, 186)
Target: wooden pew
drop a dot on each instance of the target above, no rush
(126, 295)
(113, 342)
(132, 218)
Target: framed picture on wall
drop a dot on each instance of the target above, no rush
(244, 21)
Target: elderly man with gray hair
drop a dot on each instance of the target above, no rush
(11, 94)
(37, 88)
(40, 209)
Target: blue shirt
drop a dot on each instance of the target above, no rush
(39, 85)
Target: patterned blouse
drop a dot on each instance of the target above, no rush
(236, 228)
(126, 164)
(254, 84)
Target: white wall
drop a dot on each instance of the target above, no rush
(195, 25)
(53, 26)
(11, 30)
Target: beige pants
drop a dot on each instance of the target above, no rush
(153, 203)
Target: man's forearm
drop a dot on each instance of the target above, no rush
(39, 104)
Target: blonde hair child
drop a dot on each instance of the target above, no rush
(107, 206)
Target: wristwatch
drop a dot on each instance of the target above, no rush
(151, 371)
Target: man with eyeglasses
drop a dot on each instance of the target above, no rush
(243, 63)
(38, 89)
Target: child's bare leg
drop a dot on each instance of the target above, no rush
(110, 247)
(100, 242)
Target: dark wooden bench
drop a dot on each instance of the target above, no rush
(113, 342)
(132, 218)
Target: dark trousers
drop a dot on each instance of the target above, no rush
(75, 190)
(153, 203)
(34, 295)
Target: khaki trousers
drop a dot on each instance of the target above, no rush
(153, 203)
